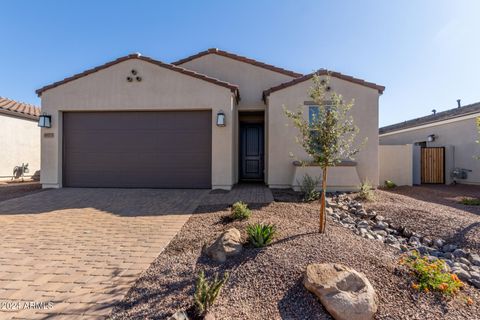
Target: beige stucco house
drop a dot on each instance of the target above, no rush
(442, 143)
(20, 138)
(207, 121)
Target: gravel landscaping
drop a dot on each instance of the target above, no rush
(433, 211)
(267, 283)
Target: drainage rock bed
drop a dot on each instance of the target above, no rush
(433, 211)
(267, 283)
(350, 213)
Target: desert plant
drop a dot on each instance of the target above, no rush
(431, 274)
(240, 211)
(470, 201)
(308, 187)
(261, 235)
(206, 292)
(366, 191)
(390, 184)
(328, 134)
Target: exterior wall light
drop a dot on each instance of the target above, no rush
(431, 138)
(45, 121)
(221, 119)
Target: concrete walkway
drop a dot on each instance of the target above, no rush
(73, 253)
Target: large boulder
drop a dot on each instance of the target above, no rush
(227, 244)
(344, 292)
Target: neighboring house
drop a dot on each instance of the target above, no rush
(20, 138)
(138, 122)
(445, 144)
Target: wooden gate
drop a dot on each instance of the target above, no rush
(433, 165)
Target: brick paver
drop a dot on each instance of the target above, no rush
(82, 249)
(251, 193)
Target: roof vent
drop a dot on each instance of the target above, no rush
(434, 111)
(459, 103)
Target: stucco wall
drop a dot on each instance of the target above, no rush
(160, 89)
(20, 143)
(459, 139)
(396, 164)
(252, 80)
(282, 137)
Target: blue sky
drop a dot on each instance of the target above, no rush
(427, 53)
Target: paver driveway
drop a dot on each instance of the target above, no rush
(82, 249)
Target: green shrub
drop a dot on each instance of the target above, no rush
(261, 235)
(308, 188)
(206, 292)
(390, 184)
(366, 191)
(240, 211)
(431, 275)
(470, 201)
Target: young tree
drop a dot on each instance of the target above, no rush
(327, 136)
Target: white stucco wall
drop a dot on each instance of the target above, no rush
(396, 164)
(160, 89)
(19, 143)
(458, 138)
(282, 137)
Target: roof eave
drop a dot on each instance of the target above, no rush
(233, 88)
(233, 56)
(323, 72)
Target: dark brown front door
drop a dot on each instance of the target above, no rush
(168, 149)
(251, 151)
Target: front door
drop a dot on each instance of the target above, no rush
(251, 151)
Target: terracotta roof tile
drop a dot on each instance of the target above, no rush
(172, 67)
(19, 109)
(238, 58)
(320, 73)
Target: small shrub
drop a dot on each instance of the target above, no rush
(366, 191)
(308, 188)
(206, 292)
(240, 211)
(390, 184)
(261, 235)
(431, 275)
(470, 201)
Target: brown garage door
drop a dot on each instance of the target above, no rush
(137, 149)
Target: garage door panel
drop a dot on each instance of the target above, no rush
(128, 161)
(138, 149)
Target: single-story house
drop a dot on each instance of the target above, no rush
(20, 138)
(444, 145)
(207, 121)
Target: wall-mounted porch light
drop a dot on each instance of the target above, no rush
(221, 119)
(45, 121)
(431, 138)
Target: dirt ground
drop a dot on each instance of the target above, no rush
(10, 190)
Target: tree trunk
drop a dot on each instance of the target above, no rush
(323, 217)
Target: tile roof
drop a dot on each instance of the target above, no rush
(439, 116)
(322, 72)
(19, 109)
(172, 67)
(239, 58)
